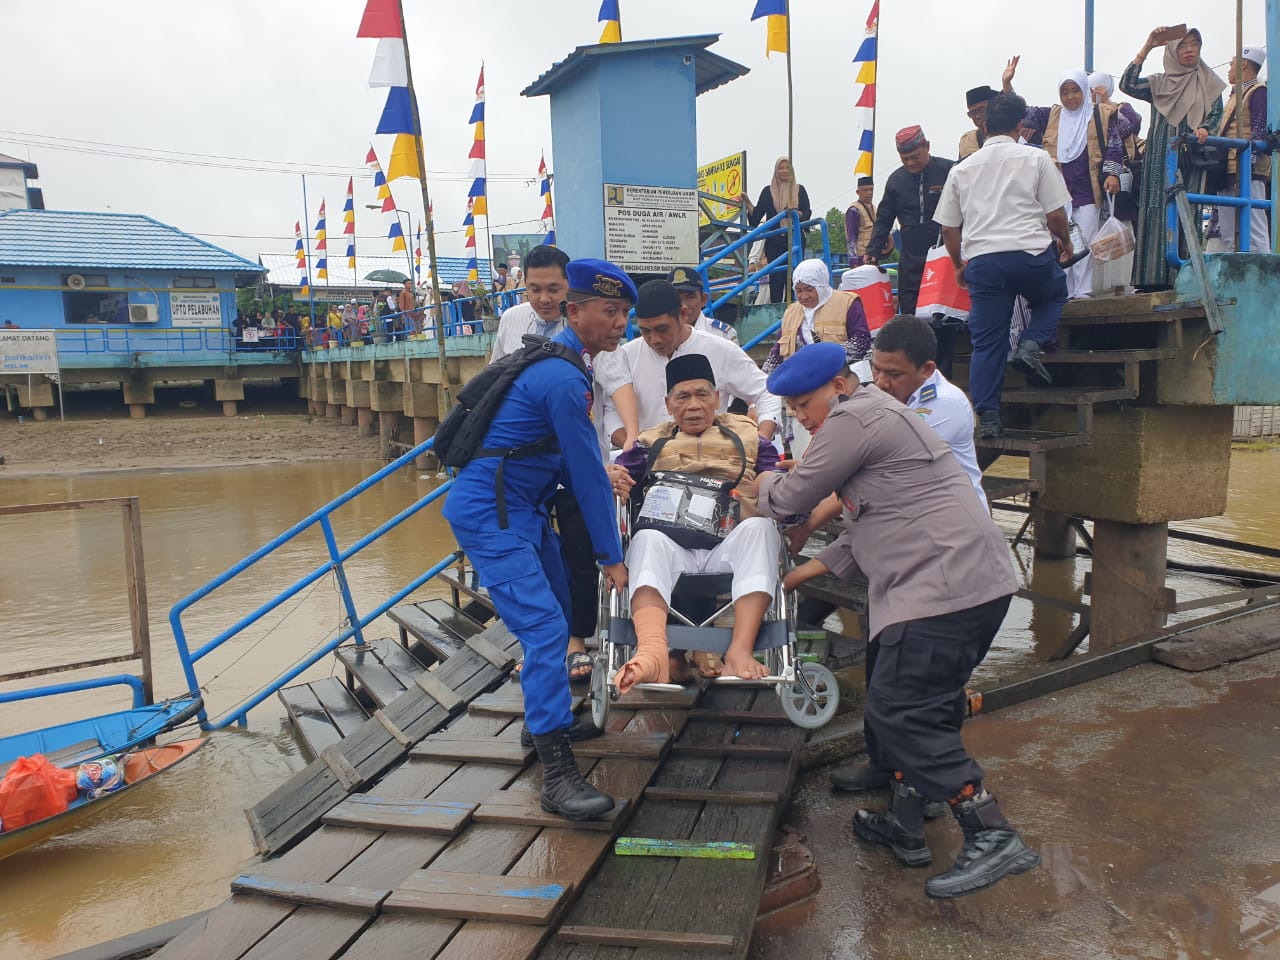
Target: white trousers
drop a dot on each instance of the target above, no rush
(1080, 276)
(750, 552)
(1259, 227)
(800, 439)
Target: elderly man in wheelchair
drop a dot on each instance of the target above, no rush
(687, 518)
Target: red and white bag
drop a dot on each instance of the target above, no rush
(875, 290)
(940, 295)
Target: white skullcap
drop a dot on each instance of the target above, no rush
(1255, 52)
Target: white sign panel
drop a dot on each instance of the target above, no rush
(650, 229)
(28, 351)
(196, 309)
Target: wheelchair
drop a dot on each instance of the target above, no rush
(808, 691)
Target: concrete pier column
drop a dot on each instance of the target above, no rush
(333, 410)
(139, 393)
(228, 408)
(39, 396)
(39, 413)
(365, 422)
(424, 429)
(1055, 536)
(388, 423)
(138, 410)
(1127, 582)
(348, 416)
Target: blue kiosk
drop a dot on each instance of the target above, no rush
(624, 147)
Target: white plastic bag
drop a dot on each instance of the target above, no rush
(1113, 250)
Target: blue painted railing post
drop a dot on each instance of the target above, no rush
(340, 573)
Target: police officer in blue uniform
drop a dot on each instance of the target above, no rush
(498, 509)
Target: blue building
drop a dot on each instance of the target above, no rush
(131, 300)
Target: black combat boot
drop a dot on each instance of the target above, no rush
(564, 790)
(581, 730)
(992, 851)
(900, 828)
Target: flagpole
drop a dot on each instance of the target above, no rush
(488, 239)
(445, 395)
(306, 232)
(791, 124)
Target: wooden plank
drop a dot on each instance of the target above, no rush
(500, 658)
(734, 750)
(739, 716)
(313, 728)
(342, 768)
(455, 621)
(479, 750)
(340, 704)
(1214, 645)
(737, 797)
(631, 746)
(997, 488)
(650, 939)
(1109, 356)
(367, 667)
(435, 688)
(478, 896)
(698, 849)
(338, 896)
(659, 699)
(398, 735)
(424, 628)
(507, 702)
(1033, 441)
(1067, 396)
(396, 813)
(524, 808)
(141, 944)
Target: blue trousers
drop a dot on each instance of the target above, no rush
(994, 280)
(529, 587)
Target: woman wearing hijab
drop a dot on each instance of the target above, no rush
(819, 313)
(782, 193)
(1184, 100)
(1090, 165)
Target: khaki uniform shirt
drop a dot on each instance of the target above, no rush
(911, 521)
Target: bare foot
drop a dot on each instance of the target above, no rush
(708, 664)
(678, 669)
(743, 665)
(642, 670)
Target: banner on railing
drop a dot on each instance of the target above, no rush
(196, 309)
(28, 351)
(725, 177)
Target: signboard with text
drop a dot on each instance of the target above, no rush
(28, 351)
(196, 309)
(650, 229)
(726, 177)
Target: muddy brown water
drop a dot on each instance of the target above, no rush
(171, 848)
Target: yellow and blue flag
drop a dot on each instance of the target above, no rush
(776, 31)
(612, 21)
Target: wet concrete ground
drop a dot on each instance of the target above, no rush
(1152, 798)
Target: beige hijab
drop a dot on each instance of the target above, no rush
(785, 193)
(1184, 93)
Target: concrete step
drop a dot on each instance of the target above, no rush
(1001, 488)
(1109, 356)
(1067, 396)
(1032, 441)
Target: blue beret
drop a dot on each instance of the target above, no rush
(807, 369)
(600, 278)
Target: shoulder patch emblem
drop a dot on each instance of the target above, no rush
(924, 411)
(930, 392)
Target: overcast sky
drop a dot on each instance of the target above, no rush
(282, 85)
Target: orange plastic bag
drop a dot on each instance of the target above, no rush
(34, 789)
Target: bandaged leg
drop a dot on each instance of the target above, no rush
(649, 663)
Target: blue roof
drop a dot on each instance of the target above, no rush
(710, 69)
(121, 241)
(283, 269)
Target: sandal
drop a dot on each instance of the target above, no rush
(708, 665)
(577, 661)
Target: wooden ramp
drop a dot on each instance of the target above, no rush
(449, 855)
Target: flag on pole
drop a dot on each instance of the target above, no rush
(417, 256)
(479, 201)
(349, 224)
(388, 68)
(396, 236)
(866, 59)
(320, 228)
(612, 21)
(548, 214)
(397, 121)
(322, 255)
(381, 19)
(776, 30)
(304, 286)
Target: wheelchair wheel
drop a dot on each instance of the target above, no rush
(798, 703)
(599, 691)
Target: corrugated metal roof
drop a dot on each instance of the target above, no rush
(710, 69)
(121, 241)
(283, 270)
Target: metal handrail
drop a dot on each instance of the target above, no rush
(402, 324)
(1242, 202)
(773, 227)
(337, 559)
(74, 686)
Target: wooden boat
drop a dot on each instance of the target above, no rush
(140, 766)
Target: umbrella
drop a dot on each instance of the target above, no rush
(386, 276)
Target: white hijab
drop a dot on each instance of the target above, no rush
(1104, 80)
(1073, 125)
(813, 273)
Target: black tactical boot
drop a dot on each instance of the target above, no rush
(992, 851)
(564, 790)
(855, 779)
(900, 828)
(581, 730)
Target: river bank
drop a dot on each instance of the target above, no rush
(199, 440)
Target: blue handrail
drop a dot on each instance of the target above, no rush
(72, 686)
(787, 223)
(337, 558)
(1244, 201)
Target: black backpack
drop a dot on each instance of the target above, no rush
(458, 439)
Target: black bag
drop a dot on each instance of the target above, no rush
(458, 439)
(696, 512)
(1209, 159)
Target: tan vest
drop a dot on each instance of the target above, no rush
(969, 144)
(710, 455)
(1229, 123)
(1093, 149)
(866, 223)
(828, 322)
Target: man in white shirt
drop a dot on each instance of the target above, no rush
(903, 365)
(693, 295)
(643, 363)
(547, 285)
(1006, 203)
